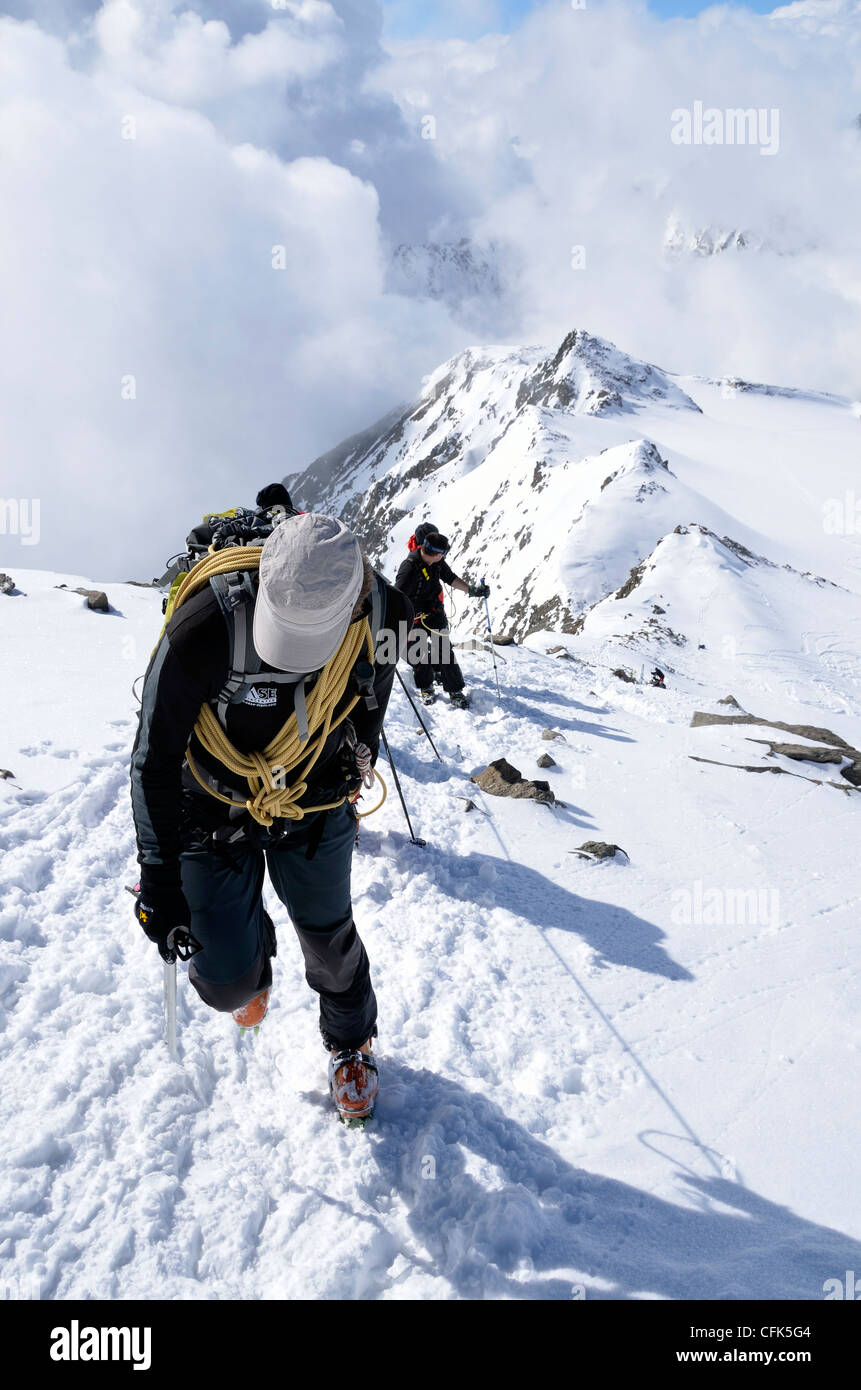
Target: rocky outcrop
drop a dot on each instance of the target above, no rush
(598, 849)
(500, 778)
(824, 746)
(97, 600)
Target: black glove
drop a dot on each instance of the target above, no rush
(159, 911)
(479, 591)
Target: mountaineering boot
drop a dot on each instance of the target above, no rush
(353, 1082)
(427, 697)
(252, 1014)
(459, 700)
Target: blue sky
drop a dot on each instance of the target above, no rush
(469, 18)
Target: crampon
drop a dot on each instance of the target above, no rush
(354, 1082)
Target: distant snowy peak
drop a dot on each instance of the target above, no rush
(706, 241)
(697, 588)
(589, 376)
(683, 240)
(469, 403)
(475, 281)
(445, 270)
(561, 471)
(586, 375)
(642, 458)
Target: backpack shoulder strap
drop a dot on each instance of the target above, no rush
(377, 615)
(363, 671)
(236, 593)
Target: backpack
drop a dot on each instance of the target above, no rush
(236, 526)
(236, 592)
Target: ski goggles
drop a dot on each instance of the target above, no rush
(432, 550)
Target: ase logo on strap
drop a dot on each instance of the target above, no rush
(262, 696)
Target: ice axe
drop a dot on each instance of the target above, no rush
(180, 945)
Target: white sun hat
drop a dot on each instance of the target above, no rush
(311, 575)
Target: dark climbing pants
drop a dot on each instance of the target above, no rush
(310, 872)
(445, 670)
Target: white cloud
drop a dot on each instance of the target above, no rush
(256, 129)
(156, 362)
(563, 130)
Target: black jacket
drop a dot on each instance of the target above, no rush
(188, 667)
(423, 583)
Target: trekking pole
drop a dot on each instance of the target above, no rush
(416, 712)
(490, 635)
(413, 837)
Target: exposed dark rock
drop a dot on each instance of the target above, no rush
(96, 599)
(780, 771)
(4, 773)
(632, 581)
(546, 761)
(834, 752)
(816, 735)
(549, 734)
(539, 477)
(7, 584)
(501, 779)
(502, 639)
(800, 753)
(598, 849)
(624, 675)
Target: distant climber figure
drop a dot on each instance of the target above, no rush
(658, 678)
(420, 578)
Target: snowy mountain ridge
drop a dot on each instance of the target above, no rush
(556, 473)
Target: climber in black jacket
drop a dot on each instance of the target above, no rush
(204, 836)
(420, 578)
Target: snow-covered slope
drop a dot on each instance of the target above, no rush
(629, 1079)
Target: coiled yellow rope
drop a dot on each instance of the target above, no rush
(266, 772)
